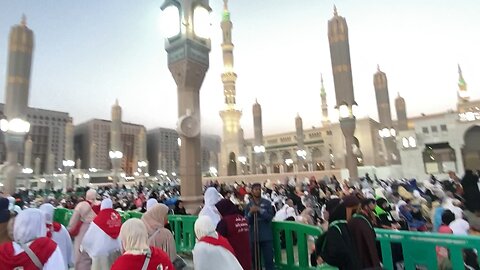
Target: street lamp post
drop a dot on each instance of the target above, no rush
(188, 46)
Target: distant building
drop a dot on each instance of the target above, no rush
(163, 151)
(92, 145)
(47, 131)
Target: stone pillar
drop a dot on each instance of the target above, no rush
(27, 159)
(348, 128)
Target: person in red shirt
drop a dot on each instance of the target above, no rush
(234, 227)
(137, 253)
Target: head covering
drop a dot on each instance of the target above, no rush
(91, 195)
(211, 198)
(226, 207)
(29, 225)
(4, 212)
(106, 204)
(204, 227)
(47, 210)
(151, 202)
(134, 236)
(156, 217)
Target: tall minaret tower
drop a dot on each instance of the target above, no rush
(380, 84)
(20, 53)
(232, 136)
(258, 147)
(401, 108)
(116, 153)
(301, 152)
(463, 95)
(342, 78)
(323, 95)
(388, 133)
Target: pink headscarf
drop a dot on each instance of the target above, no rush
(155, 219)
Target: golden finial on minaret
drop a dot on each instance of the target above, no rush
(225, 4)
(335, 13)
(378, 67)
(23, 22)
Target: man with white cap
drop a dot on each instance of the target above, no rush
(101, 240)
(59, 234)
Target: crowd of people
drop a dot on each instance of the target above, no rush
(234, 225)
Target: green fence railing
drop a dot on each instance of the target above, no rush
(419, 248)
(183, 232)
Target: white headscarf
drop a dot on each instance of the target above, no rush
(151, 202)
(48, 211)
(106, 204)
(29, 225)
(204, 227)
(211, 198)
(134, 236)
(91, 195)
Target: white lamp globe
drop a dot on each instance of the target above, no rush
(170, 21)
(201, 22)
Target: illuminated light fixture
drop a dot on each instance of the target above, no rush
(405, 142)
(355, 110)
(301, 153)
(115, 154)
(142, 164)
(288, 161)
(92, 170)
(343, 111)
(43, 180)
(147, 174)
(412, 142)
(213, 170)
(242, 159)
(15, 125)
(179, 142)
(170, 21)
(123, 174)
(136, 174)
(202, 22)
(86, 176)
(259, 149)
(27, 170)
(174, 174)
(68, 163)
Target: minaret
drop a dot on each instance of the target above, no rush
(27, 158)
(323, 95)
(50, 163)
(400, 107)
(142, 151)
(69, 141)
(93, 153)
(342, 78)
(301, 152)
(232, 140)
(258, 147)
(116, 153)
(463, 95)
(388, 133)
(380, 84)
(20, 53)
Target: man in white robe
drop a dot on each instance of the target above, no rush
(59, 234)
(211, 197)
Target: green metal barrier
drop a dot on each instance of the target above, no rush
(419, 248)
(303, 233)
(59, 216)
(135, 214)
(183, 231)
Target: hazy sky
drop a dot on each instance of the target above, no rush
(88, 53)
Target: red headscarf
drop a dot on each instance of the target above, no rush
(109, 221)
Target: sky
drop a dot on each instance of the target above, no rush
(89, 52)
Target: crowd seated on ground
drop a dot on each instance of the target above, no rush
(450, 206)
